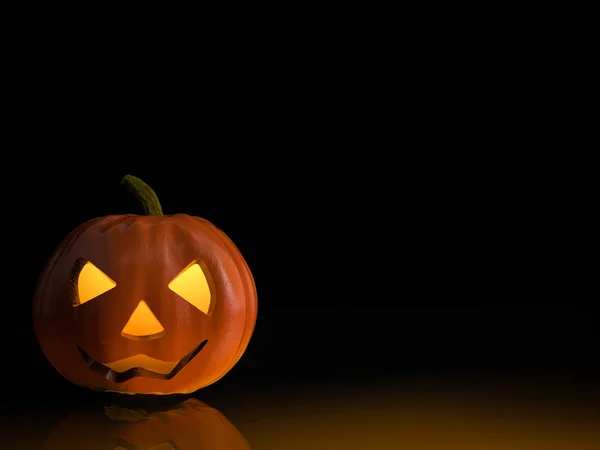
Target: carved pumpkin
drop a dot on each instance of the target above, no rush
(150, 304)
(192, 425)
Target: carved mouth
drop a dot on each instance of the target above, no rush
(121, 377)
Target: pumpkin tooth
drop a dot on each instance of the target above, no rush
(88, 360)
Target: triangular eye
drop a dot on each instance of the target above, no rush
(90, 282)
(191, 284)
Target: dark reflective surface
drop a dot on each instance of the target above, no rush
(476, 414)
(460, 413)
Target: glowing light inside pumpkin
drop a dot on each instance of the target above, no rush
(91, 283)
(145, 361)
(191, 284)
(143, 324)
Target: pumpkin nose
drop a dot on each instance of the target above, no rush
(143, 324)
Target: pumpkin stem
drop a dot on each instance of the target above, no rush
(144, 194)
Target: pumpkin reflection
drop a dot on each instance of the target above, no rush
(191, 425)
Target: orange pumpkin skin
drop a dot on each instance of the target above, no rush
(142, 254)
(192, 425)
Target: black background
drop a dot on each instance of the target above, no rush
(367, 267)
(402, 209)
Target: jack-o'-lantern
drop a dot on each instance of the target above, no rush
(191, 425)
(148, 304)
